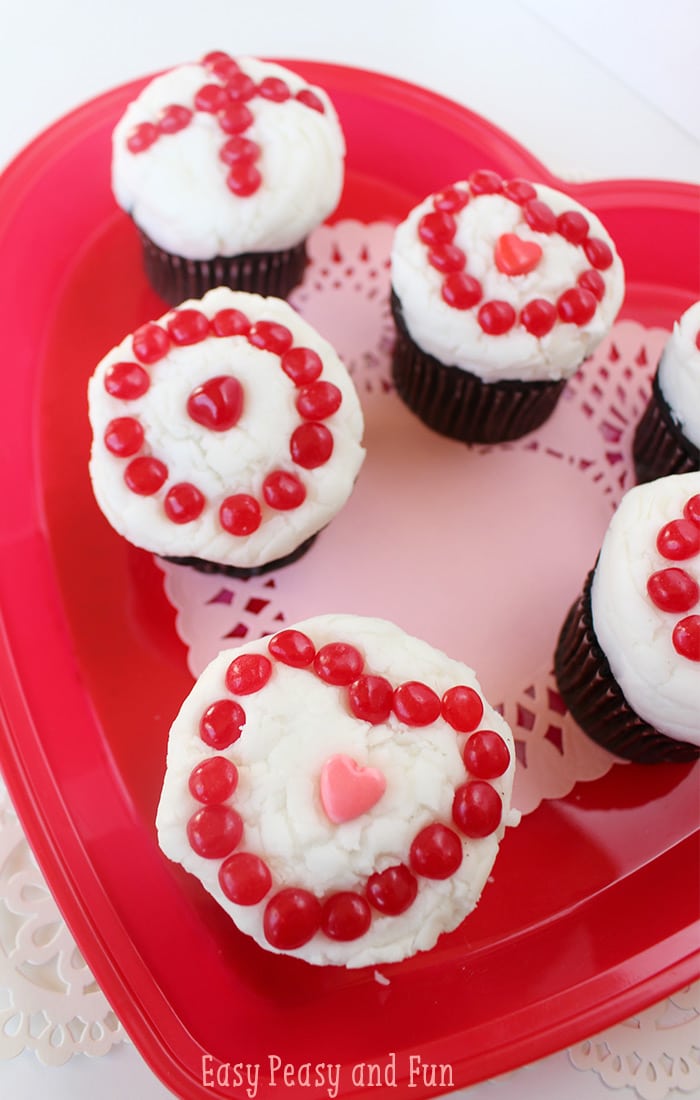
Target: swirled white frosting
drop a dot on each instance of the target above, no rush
(293, 725)
(679, 374)
(454, 336)
(176, 190)
(224, 463)
(661, 686)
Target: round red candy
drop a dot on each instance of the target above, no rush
(462, 708)
(519, 191)
(679, 540)
(292, 647)
(213, 780)
(184, 502)
(592, 281)
(686, 637)
(451, 199)
(345, 916)
(245, 878)
(691, 510)
(230, 322)
(338, 663)
(214, 831)
(239, 148)
(576, 306)
(291, 918)
(248, 673)
(573, 226)
(210, 98)
(436, 852)
(485, 182)
(310, 99)
(123, 436)
(240, 86)
(174, 118)
(598, 253)
(416, 704)
(311, 445)
(240, 514)
(371, 698)
(244, 179)
(145, 475)
(150, 343)
(221, 723)
(270, 336)
(217, 404)
(486, 755)
(126, 381)
(271, 87)
(437, 227)
(302, 365)
(142, 137)
(496, 317)
(461, 291)
(283, 491)
(477, 809)
(539, 216)
(188, 326)
(392, 891)
(538, 317)
(673, 590)
(318, 400)
(447, 258)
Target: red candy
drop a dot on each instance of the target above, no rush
(436, 852)
(539, 216)
(150, 343)
(283, 491)
(221, 723)
(477, 809)
(240, 514)
(416, 704)
(519, 191)
(244, 179)
(244, 878)
(692, 510)
(123, 436)
(598, 253)
(188, 326)
(679, 540)
(311, 445)
(573, 226)
(142, 137)
(485, 182)
(248, 673)
(345, 916)
(392, 891)
(184, 502)
(576, 306)
(437, 227)
(447, 258)
(293, 648)
(230, 322)
(673, 590)
(217, 404)
(214, 831)
(496, 318)
(302, 365)
(270, 336)
(686, 637)
(515, 256)
(234, 118)
(240, 86)
(174, 118)
(486, 755)
(127, 381)
(461, 291)
(275, 89)
(310, 99)
(592, 281)
(371, 698)
(538, 317)
(318, 400)
(451, 199)
(145, 475)
(213, 780)
(291, 918)
(338, 663)
(210, 98)
(239, 148)
(462, 708)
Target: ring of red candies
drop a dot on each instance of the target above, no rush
(672, 589)
(217, 405)
(576, 305)
(229, 102)
(293, 915)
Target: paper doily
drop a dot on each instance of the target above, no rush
(413, 477)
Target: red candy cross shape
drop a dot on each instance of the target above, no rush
(217, 404)
(672, 589)
(228, 97)
(513, 256)
(216, 830)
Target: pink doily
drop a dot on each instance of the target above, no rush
(479, 550)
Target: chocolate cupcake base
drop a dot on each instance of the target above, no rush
(458, 404)
(243, 572)
(660, 448)
(175, 279)
(595, 700)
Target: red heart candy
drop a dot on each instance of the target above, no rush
(514, 256)
(348, 789)
(217, 404)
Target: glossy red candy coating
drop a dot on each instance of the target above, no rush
(496, 317)
(371, 698)
(318, 400)
(302, 365)
(184, 502)
(150, 343)
(416, 704)
(243, 179)
(210, 98)
(576, 305)
(292, 647)
(520, 191)
(217, 404)
(486, 755)
(214, 831)
(436, 852)
(345, 916)
(538, 317)
(213, 780)
(272, 87)
(230, 322)
(142, 137)
(310, 99)
(477, 809)
(598, 253)
(573, 226)
(691, 510)
(673, 589)
(679, 540)
(447, 258)
(462, 708)
(145, 475)
(291, 918)
(234, 118)
(540, 216)
(592, 281)
(461, 291)
(338, 663)
(248, 673)
(221, 723)
(485, 182)
(123, 436)
(393, 890)
(283, 491)
(188, 326)
(127, 381)
(437, 227)
(311, 445)
(451, 199)
(686, 637)
(270, 336)
(240, 86)
(245, 878)
(239, 148)
(240, 514)
(174, 118)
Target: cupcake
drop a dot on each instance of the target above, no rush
(500, 290)
(628, 657)
(667, 438)
(340, 788)
(225, 435)
(225, 167)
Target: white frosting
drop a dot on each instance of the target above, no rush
(176, 190)
(661, 686)
(679, 374)
(293, 725)
(454, 336)
(224, 463)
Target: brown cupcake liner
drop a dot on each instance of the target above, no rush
(176, 279)
(595, 700)
(660, 448)
(458, 404)
(243, 572)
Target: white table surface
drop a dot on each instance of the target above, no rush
(594, 88)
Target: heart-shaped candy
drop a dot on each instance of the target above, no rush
(515, 256)
(217, 404)
(348, 789)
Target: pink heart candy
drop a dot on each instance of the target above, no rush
(348, 789)
(514, 256)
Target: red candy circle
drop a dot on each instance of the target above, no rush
(270, 336)
(248, 673)
(462, 708)
(538, 316)
(220, 725)
(392, 891)
(437, 227)
(371, 699)
(686, 637)
(291, 918)
(461, 291)
(679, 540)
(230, 322)
(311, 445)
(240, 514)
(127, 381)
(145, 475)
(345, 916)
(245, 878)
(576, 306)
(691, 510)
(302, 365)
(214, 831)
(213, 780)
(184, 502)
(283, 490)
(416, 704)
(338, 663)
(123, 436)
(486, 755)
(573, 226)
(477, 809)
(292, 647)
(436, 852)
(318, 400)
(150, 343)
(188, 326)
(496, 317)
(673, 590)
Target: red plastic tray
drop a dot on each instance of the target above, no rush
(594, 910)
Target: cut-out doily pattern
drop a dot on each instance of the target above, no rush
(49, 1000)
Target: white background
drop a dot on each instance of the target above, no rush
(594, 88)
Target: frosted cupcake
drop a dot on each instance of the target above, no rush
(500, 290)
(340, 788)
(667, 439)
(225, 167)
(225, 435)
(628, 658)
